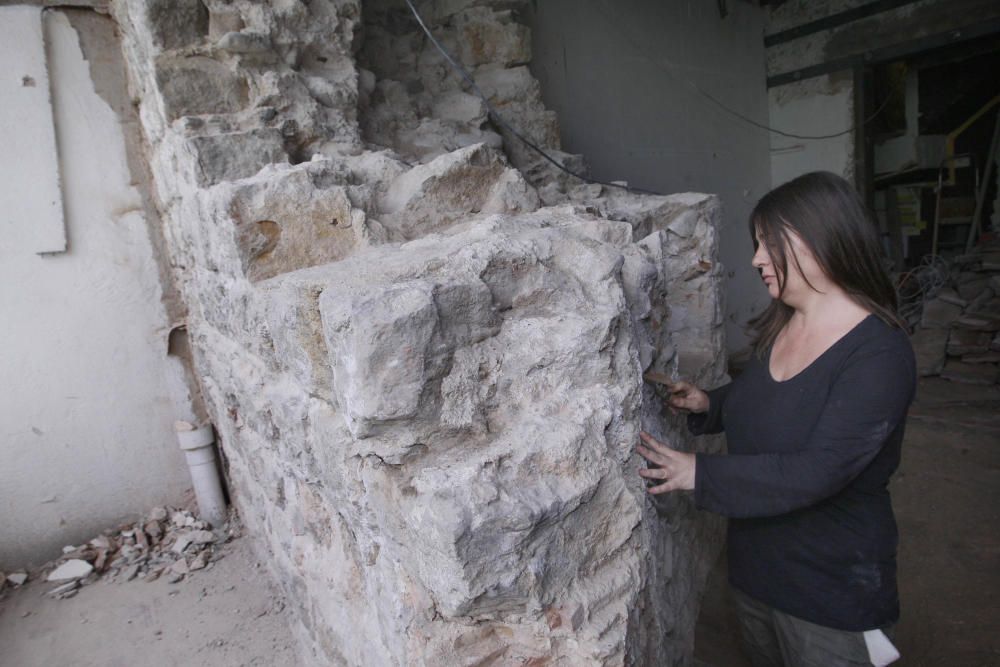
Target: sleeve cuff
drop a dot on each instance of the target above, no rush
(696, 423)
(699, 484)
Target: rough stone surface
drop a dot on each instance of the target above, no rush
(965, 341)
(175, 23)
(990, 357)
(929, 346)
(198, 85)
(982, 374)
(427, 386)
(434, 196)
(975, 288)
(940, 314)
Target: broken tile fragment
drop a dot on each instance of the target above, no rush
(182, 543)
(199, 561)
(61, 591)
(202, 537)
(17, 578)
(71, 569)
(101, 542)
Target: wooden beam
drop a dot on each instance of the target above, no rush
(834, 20)
(889, 53)
(864, 150)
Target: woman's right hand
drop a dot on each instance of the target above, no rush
(687, 397)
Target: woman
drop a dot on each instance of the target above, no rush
(814, 426)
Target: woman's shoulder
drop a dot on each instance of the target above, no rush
(881, 341)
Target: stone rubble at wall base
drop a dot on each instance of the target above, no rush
(169, 543)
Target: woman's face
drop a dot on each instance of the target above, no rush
(804, 272)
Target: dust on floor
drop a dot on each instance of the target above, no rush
(228, 615)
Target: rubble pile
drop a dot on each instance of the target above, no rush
(958, 335)
(11, 581)
(169, 543)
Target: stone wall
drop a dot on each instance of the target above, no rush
(422, 348)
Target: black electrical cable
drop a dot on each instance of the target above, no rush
(635, 45)
(499, 120)
(762, 126)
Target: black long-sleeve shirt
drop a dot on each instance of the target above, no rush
(811, 528)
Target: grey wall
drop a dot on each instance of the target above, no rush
(621, 74)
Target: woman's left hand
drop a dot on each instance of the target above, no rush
(676, 469)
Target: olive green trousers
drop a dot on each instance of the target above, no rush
(772, 638)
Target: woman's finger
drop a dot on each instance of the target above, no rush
(654, 443)
(678, 403)
(650, 455)
(653, 473)
(668, 485)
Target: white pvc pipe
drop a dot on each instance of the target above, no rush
(199, 450)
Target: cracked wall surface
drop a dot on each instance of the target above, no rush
(422, 346)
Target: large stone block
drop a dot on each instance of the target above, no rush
(929, 347)
(291, 218)
(483, 35)
(197, 85)
(233, 155)
(981, 374)
(175, 24)
(379, 344)
(517, 94)
(473, 180)
(939, 314)
(965, 341)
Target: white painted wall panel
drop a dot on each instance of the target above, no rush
(31, 211)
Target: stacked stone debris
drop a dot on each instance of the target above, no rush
(958, 336)
(11, 581)
(168, 543)
(422, 346)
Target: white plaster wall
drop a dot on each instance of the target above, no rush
(819, 106)
(623, 78)
(28, 131)
(89, 395)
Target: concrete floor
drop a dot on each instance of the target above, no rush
(225, 616)
(947, 500)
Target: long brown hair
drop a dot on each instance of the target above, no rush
(828, 215)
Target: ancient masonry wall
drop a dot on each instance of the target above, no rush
(422, 348)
